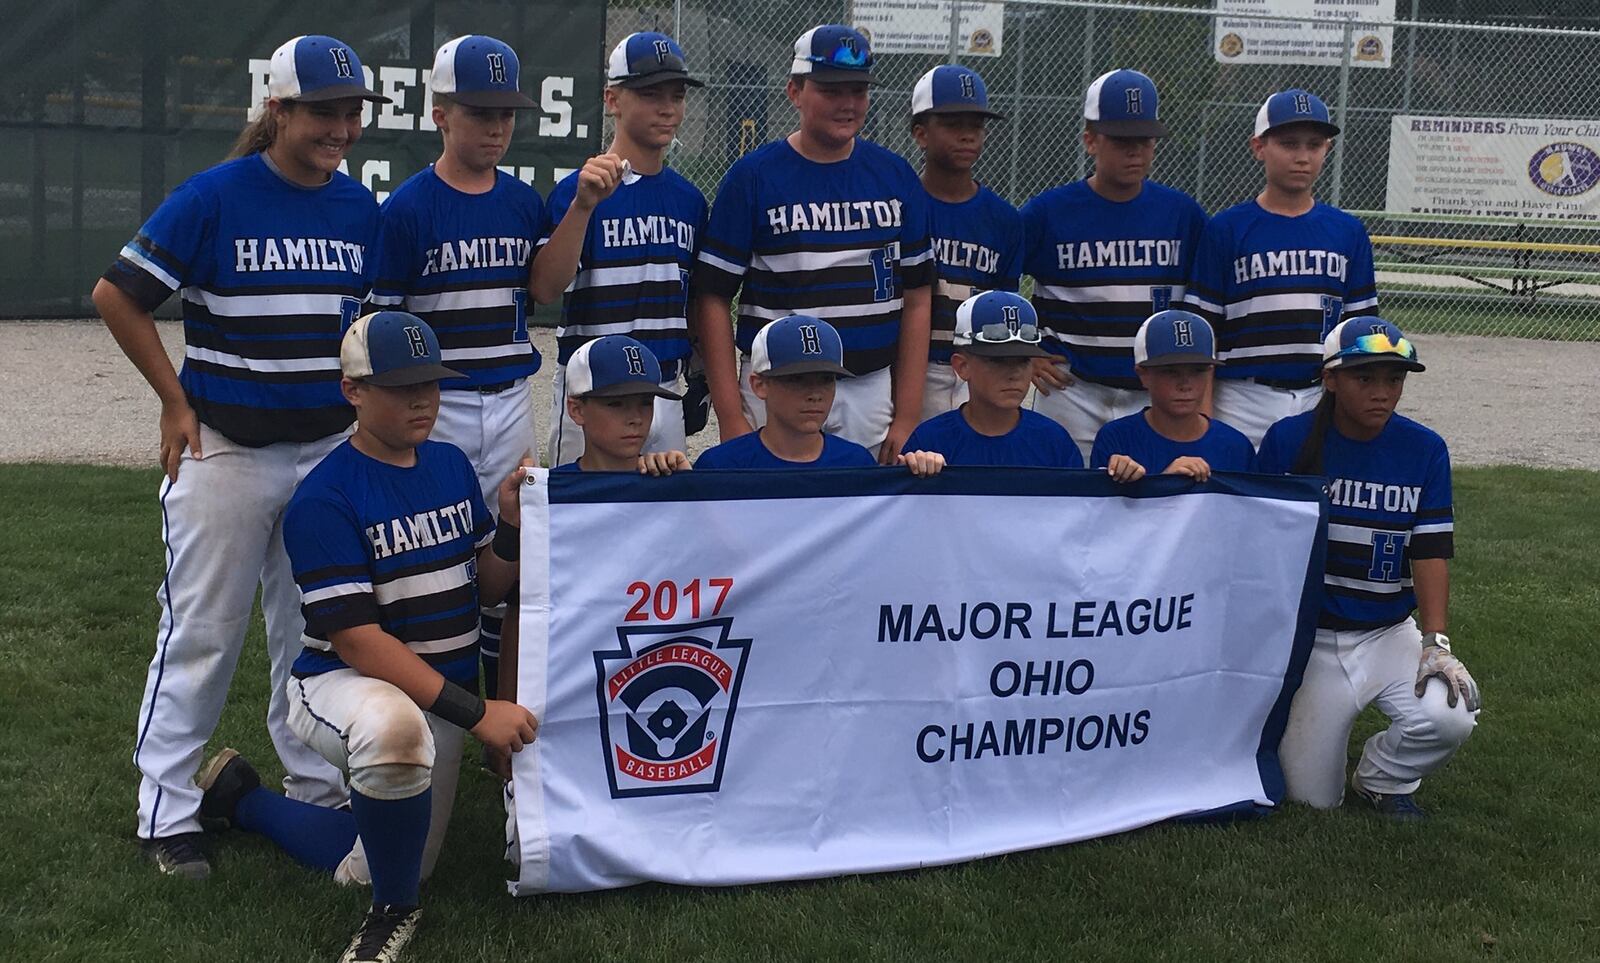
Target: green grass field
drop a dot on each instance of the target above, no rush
(1505, 870)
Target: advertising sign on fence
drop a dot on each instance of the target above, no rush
(923, 26)
(1523, 167)
(753, 676)
(1319, 39)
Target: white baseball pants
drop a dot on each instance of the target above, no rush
(942, 391)
(1253, 407)
(1084, 407)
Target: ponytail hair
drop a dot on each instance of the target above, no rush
(258, 134)
(1308, 460)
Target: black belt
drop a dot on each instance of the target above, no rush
(495, 388)
(1287, 384)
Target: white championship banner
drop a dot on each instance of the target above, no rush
(1526, 168)
(755, 676)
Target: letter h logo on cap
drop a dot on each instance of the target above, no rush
(341, 62)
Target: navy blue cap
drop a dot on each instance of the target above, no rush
(1294, 106)
(392, 348)
(1174, 337)
(833, 54)
(797, 344)
(480, 72)
(998, 324)
(646, 59)
(951, 89)
(314, 68)
(612, 366)
(1123, 103)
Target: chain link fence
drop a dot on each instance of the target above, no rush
(1475, 231)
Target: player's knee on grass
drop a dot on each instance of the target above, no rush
(391, 748)
(1437, 723)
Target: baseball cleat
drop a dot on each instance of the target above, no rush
(383, 934)
(224, 779)
(178, 855)
(1400, 806)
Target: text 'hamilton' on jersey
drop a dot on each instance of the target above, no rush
(1390, 504)
(977, 247)
(842, 241)
(270, 273)
(459, 261)
(1100, 267)
(1273, 286)
(633, 270)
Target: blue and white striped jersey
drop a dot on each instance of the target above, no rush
(1101, 267)
(977, 245)
(840, 241)
(374, 544)
(270, 273)
(1391, 503)
(460, 262)
(1274, 286)
(633, 274)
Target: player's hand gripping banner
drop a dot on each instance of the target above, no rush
(755, 676)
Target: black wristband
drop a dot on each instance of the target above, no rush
(457, 706)
(507, 542)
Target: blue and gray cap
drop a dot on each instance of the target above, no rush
(1294, 106)
(612, 366)
(998, 324)
(1368, 340)
(480, 72)
(797, 344)
(951, 89)
(1174, 337)
(314, 68)
(1123, 103)
(392, 348)
(833, 54)
(646, 59)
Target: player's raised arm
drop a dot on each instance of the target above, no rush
(562, 247)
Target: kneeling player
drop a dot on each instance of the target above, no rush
(996, 341)
(1390, 537)
(794, 365)
(1175, 354)
(390, 542)
(611, 385)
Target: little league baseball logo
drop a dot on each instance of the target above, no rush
(1565, 169)
(667, 700)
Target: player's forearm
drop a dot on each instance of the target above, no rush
(375, 653)
(134, 330)
(711, 323)
(495, 576)
(510, 638)
(911, 356)
(1430, 579)
(556, 264)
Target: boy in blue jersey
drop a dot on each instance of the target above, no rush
(1277, 272)
(1175, 353)
(612, 384)
(621, 234)
(996, 340)
(1390, 537)
(977, 236)
(392, 547)
(457, 239)
(272, 254)
(826, 224)
(1105, 253)
(794, 364)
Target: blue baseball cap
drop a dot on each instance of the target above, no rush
(313, 68)
(798, 344)
(480, 72)
(833, 54)
(1174, 337)
(613, 366)
(1368, 340)
(1123, 103)
(1294, 106)
(998, 324)
(392, 348)
(951, 89)
(646, 59)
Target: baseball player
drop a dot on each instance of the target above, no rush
(996, 340)
(272, 252)
(795, 364)
(457, 239)
(621, 235)
(1277, 272)
(977, 236)
(392, 546)
(826, 224)
(1105, 253)
(612, 384)
(1381, 634)
(1175, 354)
